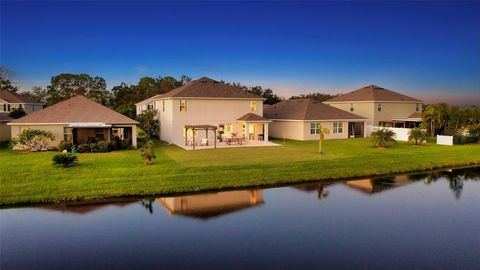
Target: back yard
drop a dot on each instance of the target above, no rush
(30, 177)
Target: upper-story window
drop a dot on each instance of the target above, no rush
(183, 105)
(417, 107)
(379, 107)
(352, 107)
(163, 105)
(337, 127)
(253, 105)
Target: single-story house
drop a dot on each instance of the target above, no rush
(5, 132)
(79, 120)
(299, 119)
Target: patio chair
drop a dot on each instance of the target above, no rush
(204, 142)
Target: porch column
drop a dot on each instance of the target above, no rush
(134, 136)
(265, 132)
(247, 132)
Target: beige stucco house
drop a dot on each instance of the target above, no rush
(382, 107)
(10, 101)
(299, 119)
(205, 112)
(5, 132)
(79, 120)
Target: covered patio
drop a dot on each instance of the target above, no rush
(413, 121)
(92, 132)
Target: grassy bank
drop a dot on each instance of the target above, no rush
(30, 177)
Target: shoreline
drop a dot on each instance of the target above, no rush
(274, 184)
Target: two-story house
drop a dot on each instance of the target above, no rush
(10, 101)
(382, 107)
(203, 111)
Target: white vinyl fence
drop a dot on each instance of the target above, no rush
(444, 140)
(401, 134)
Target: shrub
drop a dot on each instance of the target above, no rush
(32, 139)
(65, 159)
(383, 137)
(65, 145)
(104, 147)
(148, 152)
(417, 136)
(94, 148)
(17, 113)
(83, 148)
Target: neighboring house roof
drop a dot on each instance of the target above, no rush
(15, 98)
(5, 119)
(205, 88)
(372, 93)
(251, 117)
(77, 109)
(306, 109)
(416, 115)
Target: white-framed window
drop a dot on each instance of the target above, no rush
(417, 107)
(352, 107)
(337, 127)
(379, 107)
(151, 106)
(163, 105)
(6, 107)
(314, 128)
(183, 105)
(253, 105)
(228, 129)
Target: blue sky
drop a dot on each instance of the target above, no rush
(429, 50)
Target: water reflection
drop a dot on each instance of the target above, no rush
(206, 206)
(210, 205)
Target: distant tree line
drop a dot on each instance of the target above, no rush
(449, 120)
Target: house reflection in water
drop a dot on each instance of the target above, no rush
(205, 206)
(376, 185)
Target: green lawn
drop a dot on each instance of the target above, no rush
(30, 177)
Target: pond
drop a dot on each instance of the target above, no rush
(418, 221)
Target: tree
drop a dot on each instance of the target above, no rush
(17, 113)
(383, 137)
(6, 78)
(148, 152)
(321, 136)
(316, 96)
(149, 123)
(37, 93)
(66, 85)
(417, 136)
(432, 118)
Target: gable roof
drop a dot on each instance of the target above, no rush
(77, 109)
(5, 118)
(306, 109)
(206, 88)
(15, 98)
(251, 117)
(373, 93)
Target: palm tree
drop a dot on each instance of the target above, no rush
(321, 132)
(383, 137)
(433, 116)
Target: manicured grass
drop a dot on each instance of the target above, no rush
(30, 177)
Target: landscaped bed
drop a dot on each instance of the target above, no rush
(31, 178)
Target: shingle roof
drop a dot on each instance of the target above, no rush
(416, 115)
(75, 109)
(207, 88)
(306, 109)
(251, 117)
(5, 118)
(372, 93)
(15, 98)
